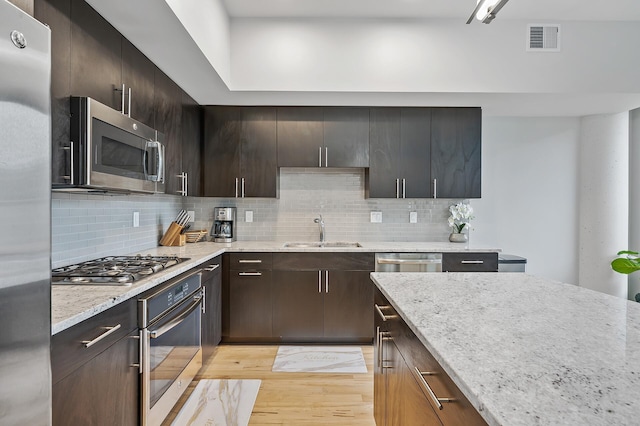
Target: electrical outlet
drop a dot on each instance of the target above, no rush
(248, 216)
(376, 217)
(136, 219)
(192, 216)
(413, 217)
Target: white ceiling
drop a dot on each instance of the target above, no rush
(566, 10)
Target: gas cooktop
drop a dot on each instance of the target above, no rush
(112, 270)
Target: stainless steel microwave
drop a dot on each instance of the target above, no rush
(110, 151)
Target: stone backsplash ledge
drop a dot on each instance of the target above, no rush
(89, 226)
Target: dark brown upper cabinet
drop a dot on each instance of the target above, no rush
(323, 137)
(456, 152)
(96, 56)
(192, 145)
(138, 79)
(240, 152)
(399, 147)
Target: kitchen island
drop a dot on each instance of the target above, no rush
(525, 350)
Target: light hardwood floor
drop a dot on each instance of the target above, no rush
(294, 398)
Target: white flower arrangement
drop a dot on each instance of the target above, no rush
(461, 215)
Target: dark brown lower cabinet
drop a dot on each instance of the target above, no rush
(212, 316)
(347, 305)
(298, 305)
(408, 379)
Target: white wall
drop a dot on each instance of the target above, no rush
(603, 200)
(429, 56)
(530, 193)
(634, 195)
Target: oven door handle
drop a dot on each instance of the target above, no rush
(177, 320)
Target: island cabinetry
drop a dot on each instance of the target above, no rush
(95, 369)
(323, 137)
(456, 141)
(322, 297)
(469, 262)
(247, 294)
(212, 315)
(240, 154)
(410, 386)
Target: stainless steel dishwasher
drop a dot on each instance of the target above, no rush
(408, 262)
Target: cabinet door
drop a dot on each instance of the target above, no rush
(415, 160)
(297, 305)
(348, 305)
(221, 159)
(96, 56)
(191, 144)
(384, 153)
(56, 14)
(259, 154)
(104, 391)
(416, 409)
(300, 136)
(456, 135)
(346, 137)
(212, 318)
(250, 304)
(168, 118)
(138, 74)
(393, 366)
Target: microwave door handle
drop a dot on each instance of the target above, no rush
(158, 175)
(154, 334)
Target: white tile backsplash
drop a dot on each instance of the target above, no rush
(87, 226)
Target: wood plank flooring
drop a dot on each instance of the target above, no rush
(294, 398)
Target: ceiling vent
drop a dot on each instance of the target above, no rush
(543, 38)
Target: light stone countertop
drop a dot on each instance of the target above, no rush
(526, 350)
(71, 304)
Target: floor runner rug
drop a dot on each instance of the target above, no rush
(319, 359)
(219, 403)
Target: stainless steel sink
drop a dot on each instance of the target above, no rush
(330, 244)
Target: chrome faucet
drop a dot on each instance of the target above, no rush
(320, 222)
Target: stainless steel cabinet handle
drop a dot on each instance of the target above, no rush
(404, 187)
(236, 187)
(183, 184)
(472, 262)
(397, 188)
(204, 300)
(326, 281)
(138, 364)
(250, 261)
(382, 315)
(435, 188)
(319, 281)
(129, 113)
(250, 274)
(319, 156)
(123, 93)
(432, 395)
(242, 184)
(186, 184)
(326, 157)
(110, 330)
(212, 268)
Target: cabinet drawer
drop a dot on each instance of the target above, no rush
(211, 268)
(69, 348)
(470, 262)
(249, 261)
(313, 261)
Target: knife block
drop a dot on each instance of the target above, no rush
(173, 237)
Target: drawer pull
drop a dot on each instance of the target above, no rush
(472, 262)
(212, 268)
(250, 274)
(249, 261)
(382, 315)
(110, 330)
(432, 395)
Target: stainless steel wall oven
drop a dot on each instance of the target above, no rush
(170, 338)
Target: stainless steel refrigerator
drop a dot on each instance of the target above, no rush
(25, 219)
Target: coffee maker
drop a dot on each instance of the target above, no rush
(224, 224)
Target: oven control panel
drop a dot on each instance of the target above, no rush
(168, 296)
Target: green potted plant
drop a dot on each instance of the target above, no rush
(628, 262)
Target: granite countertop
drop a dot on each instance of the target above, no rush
(525, 350)
(71, 304)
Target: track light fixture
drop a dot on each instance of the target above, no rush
(486, 10)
